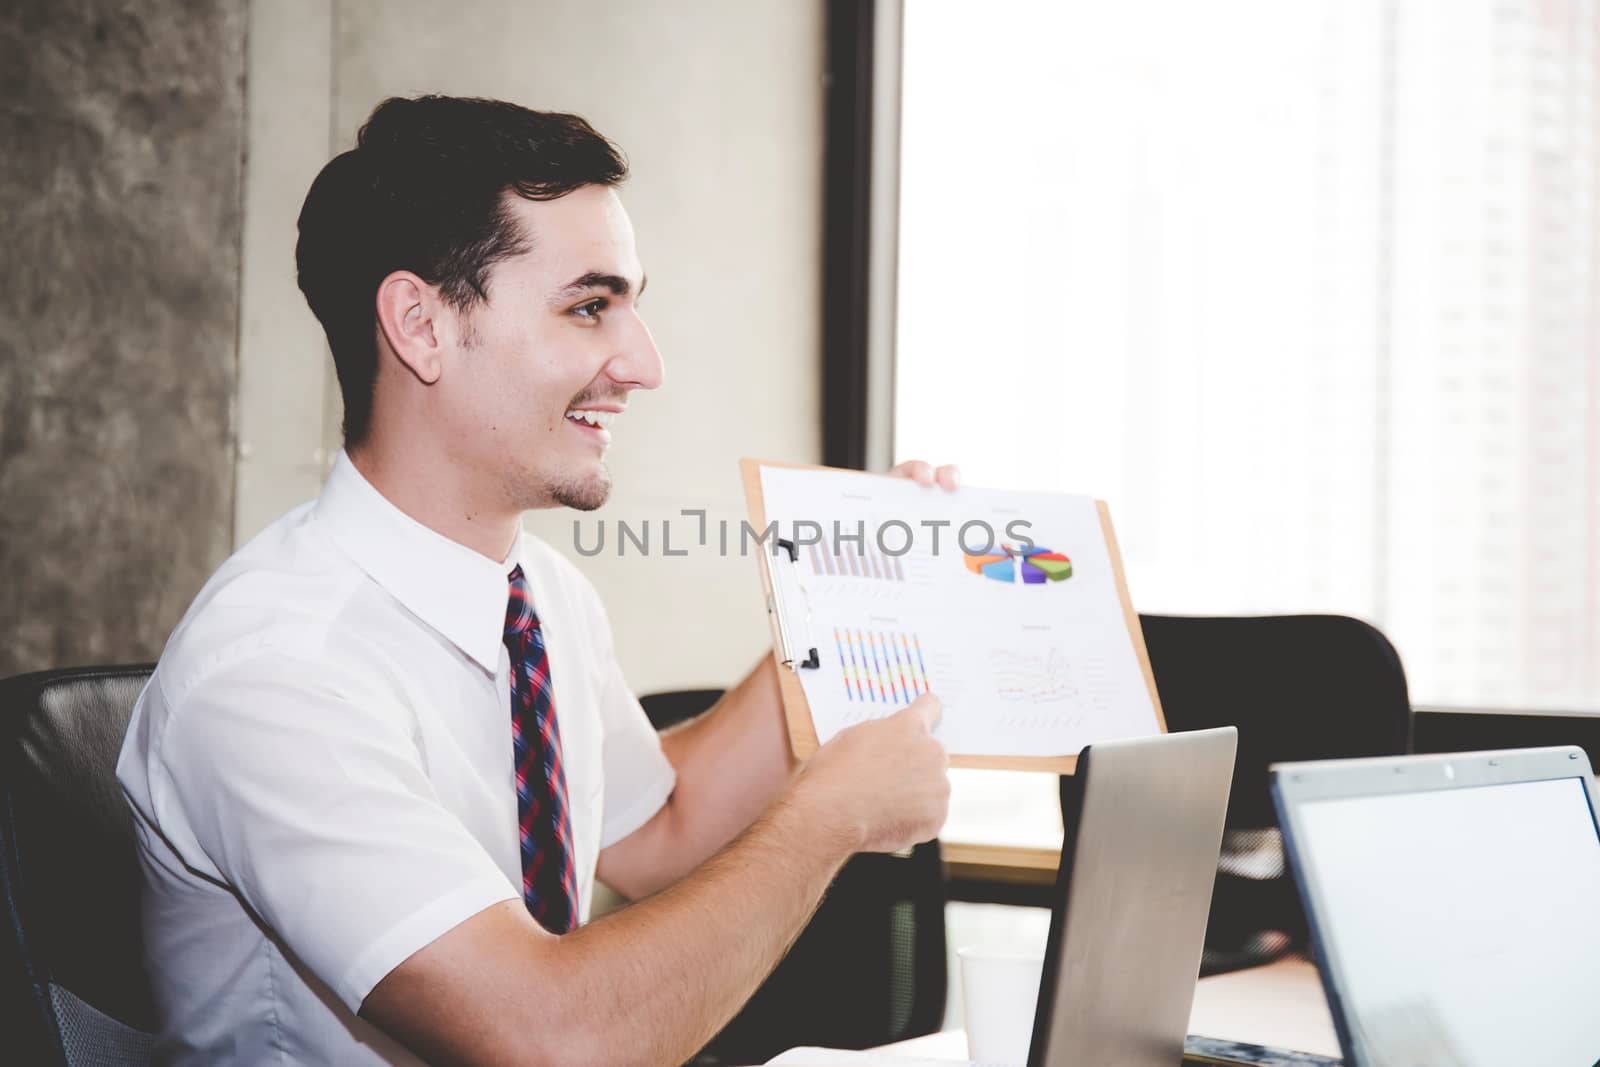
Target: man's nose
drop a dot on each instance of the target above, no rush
(638, 364)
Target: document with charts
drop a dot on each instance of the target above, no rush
(1011, 607)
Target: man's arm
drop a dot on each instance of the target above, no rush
(731, 763)
(651, 983)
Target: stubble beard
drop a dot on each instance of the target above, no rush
(582, 494)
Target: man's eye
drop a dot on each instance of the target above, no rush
(591, 309)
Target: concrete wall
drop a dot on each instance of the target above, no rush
(122, 132)
(719, 107)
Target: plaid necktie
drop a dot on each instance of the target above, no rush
(549, 885)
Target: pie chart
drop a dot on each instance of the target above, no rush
(1039, 565)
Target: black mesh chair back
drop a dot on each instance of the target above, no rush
(73, 991)
(869, 969)
(1297, 687)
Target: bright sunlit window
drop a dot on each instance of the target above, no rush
(1307, 292)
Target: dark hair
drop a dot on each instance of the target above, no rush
(424, 190)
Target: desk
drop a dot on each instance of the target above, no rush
(1280, 1004)
(1000, 874)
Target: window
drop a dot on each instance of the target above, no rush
(1307, 292)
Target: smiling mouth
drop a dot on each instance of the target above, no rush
(592, 420)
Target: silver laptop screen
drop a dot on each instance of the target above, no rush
(1464, 923)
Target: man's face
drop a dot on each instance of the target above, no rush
(559, 335)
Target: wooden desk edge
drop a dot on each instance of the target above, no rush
(1000, 863)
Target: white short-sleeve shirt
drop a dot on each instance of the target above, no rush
(320, 772)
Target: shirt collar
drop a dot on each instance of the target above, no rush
(459, 592)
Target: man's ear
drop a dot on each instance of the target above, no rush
(408, 314)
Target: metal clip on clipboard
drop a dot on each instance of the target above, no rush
(796, 648)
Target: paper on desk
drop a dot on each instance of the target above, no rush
(828, 1057)
(1022, 668)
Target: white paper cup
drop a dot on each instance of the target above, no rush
(999, 990)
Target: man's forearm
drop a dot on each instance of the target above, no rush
(702, 946)
(648, 984)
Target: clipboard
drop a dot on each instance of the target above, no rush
(795, 648)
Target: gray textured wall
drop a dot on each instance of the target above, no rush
(121, 144)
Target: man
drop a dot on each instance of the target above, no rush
(389, 748)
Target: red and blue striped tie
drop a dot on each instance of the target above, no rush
(549, 884)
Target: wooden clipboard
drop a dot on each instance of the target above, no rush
(787, 653)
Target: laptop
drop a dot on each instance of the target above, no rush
(1128, 924)
(1454, 903)
(1128, 921)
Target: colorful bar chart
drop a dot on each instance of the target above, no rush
(880, 667)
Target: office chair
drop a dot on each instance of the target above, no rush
(1297, 687)
(869, 968)
(73, 991)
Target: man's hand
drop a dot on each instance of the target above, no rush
(883, 784)
(947, 476)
